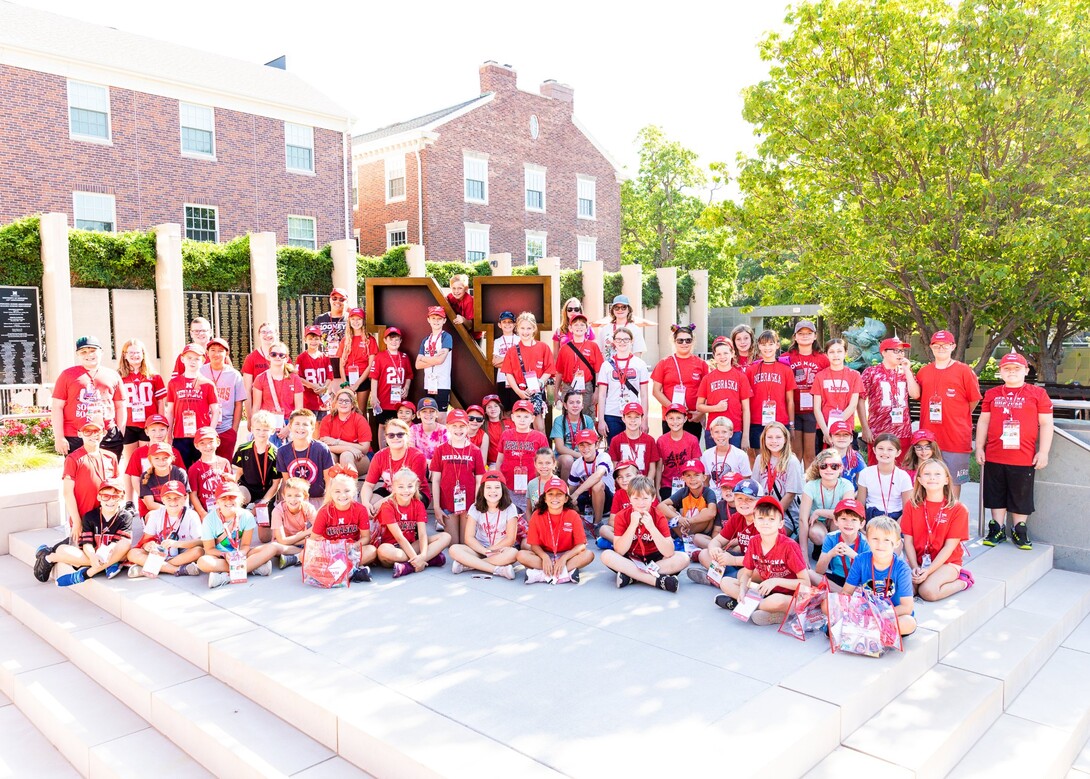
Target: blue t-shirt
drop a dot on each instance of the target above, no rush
(897, 577)
(562, 428)
(851, 472)
(212, 529)
(309, 464)
(836, 565)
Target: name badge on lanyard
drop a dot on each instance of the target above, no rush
(934, 410)
(236, 561)
(189, 424)
(395, 393)
(679, 395)
(137, 413)
(532, 384)
(897, 415)
(459, 498)
(768, 412)
(578, 383)
(806, 401)
(678, 484)
(1012, 438)
(520, 479)
(353, 374)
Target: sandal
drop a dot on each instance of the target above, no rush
(966, 576)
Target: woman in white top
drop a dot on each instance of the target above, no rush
(620, 315)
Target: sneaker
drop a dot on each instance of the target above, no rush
(264, 569)
(623, 580)
(287, 561)
(535, 576)
(604, 543)
(765, 618)
(42, 567)
(996, 534)
(573, 577)
(506, 571)
(967, 576)
(666, 582)
(362, 574)
(76, 577)
(113, 570)
(679, 545)
(1020, 536)
(189, 569)
(457, 567)
(724, 601)
(402, 569)
(218, 579)
(700, 576)
(135, 572)
(438, 561)
(694, 556)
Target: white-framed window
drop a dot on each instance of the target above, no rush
(302, 232)
(88, 112)
(476, 242)
(588, 249)
(587, 206)
(198, 123)
(535, 246)
(475, 167)
(94, 211)
(202, 223)
(395, 178)
(299, 147)
(535, 188)
(397, 234)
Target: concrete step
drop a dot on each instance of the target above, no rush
(1080, 769)
(929, 727)
(24, 751)
(844, 762)
(28, 501)
(1016, 568)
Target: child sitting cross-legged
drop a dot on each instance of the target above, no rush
(883, 573)
(726, 551)
(172, 533)
(343, 518)
(404, 543)
(558, 543)
(491, 531)
(292, 520)
(840, 548)
(228, 530)
(104, 539)
(643, 550)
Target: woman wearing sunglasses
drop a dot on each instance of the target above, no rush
(824, 488)
(396, 455)
(676, 379)
(562, 334)
(278, 391)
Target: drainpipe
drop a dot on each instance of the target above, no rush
(419, 199)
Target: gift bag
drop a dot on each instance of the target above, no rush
(804, 613)
(326, 563)
(862, 624)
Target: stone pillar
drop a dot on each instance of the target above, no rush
(501, 263)
(632, 287)
(593, 285)
(698, 310)
(344, 268)
(415, 257)
(550, 266)
(169, 295)
(264, 296)
(60, 340)
(667, 313)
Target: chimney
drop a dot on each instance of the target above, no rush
(557, 91)
(497, 78)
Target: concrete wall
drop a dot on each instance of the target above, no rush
(1062, 498)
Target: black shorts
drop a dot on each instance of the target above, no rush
(385, 416)
(835, 579)
(1008, 487)
(755, 432)
(805, 422)
(507, 396)
(583, 501)
(654, 557)
(441, 398)
(134, 435)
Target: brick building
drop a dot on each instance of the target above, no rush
(124, 132)
(508, 171)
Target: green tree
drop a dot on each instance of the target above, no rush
(922, 162)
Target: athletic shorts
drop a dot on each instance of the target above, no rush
(583, 501)
(654, 557)
(134, 435)
(755, 432)
(958, 463)
(805, 422)
(835, 579)
(441, 398)
(385, 416)
(1008, 487)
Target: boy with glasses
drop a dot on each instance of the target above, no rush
(105, 535)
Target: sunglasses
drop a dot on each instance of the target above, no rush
(831, 466)
(339, 300)
(281, 355)
(395, 435)
(921, 446)
(570, 310)
(682, 340)
(476, 419)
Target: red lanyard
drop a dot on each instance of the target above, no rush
(844, 558)
(554, 529)
(889, 578)
(168, 530)
(493, 528)
(622, 372)
(771, 478)
(822, 488)
(432, 341)
(717, 468)
(234, 535)
(886, 496)
(573, 429)
(258, 460)
(930, 527)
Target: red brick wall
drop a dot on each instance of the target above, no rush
(144, 168)
(375, 213)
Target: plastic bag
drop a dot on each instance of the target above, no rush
(326, 563)
(863, 624)
(804, 613)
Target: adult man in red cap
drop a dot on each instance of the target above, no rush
(332, 324)
(949, 391)
(887, 388)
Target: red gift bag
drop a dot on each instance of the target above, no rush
(804, 613)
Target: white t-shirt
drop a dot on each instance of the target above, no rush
(187, 529)
(499, 349)
(491, 526)
(617, 392)
(581, 470)
(879, 488)
(439, 374)
(715, 465)
(605, 339)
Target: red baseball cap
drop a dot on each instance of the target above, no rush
(586, 436)
(624, 464)
(391, 331)
(437, 311)
(313, 330)
(676, 408)
(523, 405)
(632, 408)
(943, 337)
(229, 487)
(338, 291)
(1013, 358)
(457, 416)
(731, 479)
(892, 343)
(721, 339)
(407, 404)
(172, 487)
(206, 433)
(555, 484)
(156, 419)
(769, 500)
(356, 312)
(852, 505)
(494, 476)
(923, 435)
(476, 408)
(576, 317)
(840, 426)
(160, 448)
(221, 343)
(490, 399)
(195, 348)
(693, 465)
(113, 485)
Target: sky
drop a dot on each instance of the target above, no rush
(680, 65)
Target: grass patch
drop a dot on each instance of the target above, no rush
(26, 457)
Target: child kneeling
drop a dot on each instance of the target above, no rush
(643, 550)
(491, 531)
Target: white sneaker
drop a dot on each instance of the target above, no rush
(218, 579)
(263, 570)
(535, 576)
(506, 571)
(135, 572)
(456, 567)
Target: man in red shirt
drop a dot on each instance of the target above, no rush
(949, 392)
(89, 391)
(1014, 420)
(886, 390)
(200, 332)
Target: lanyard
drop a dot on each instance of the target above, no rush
(831, 502)
(886, 496)
(554, 528)
(169, 530)
(889, 579)
(274, 391)
(573, 429)
(771, 477)
(233, 535)
(930, 526)
(432, 341)
(263, 458)
(677, 368)
(1010, 398)
(493, 527)
(844, 561)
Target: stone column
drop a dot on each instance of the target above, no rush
(501, 263)
(698, 310)
(264, 296)
(60, 340)
(415, 257)
(593, 285)
(344, 268)
(550, 266)
(632, 286)
(667, 313)
(169, 295)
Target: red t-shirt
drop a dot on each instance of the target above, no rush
(686, 372)
(643, 545)
(85, 398)
(495, 432)
(457, 466)
(568, 362)
(518, 452)
(731, 386)
(179, 366)
(357, 351)
(835, 388)
(138, 462)
(931, 525)
(143, 394)
(341, 524)
(206, 478)
(537, 357)
(1021, 406)
(383, 467)
(783, 561)
(88, 471)
(197, 395)
(391, 369)
(255, 364)
(407, 518)
(355, 429)
(770, 381)
(887, 393)
(462, 306)
(736, 528)
(674, 454)
(956, 388)
(316, 370)
(804, 367)
(556, 533)
(641, 450)
(285, 390)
